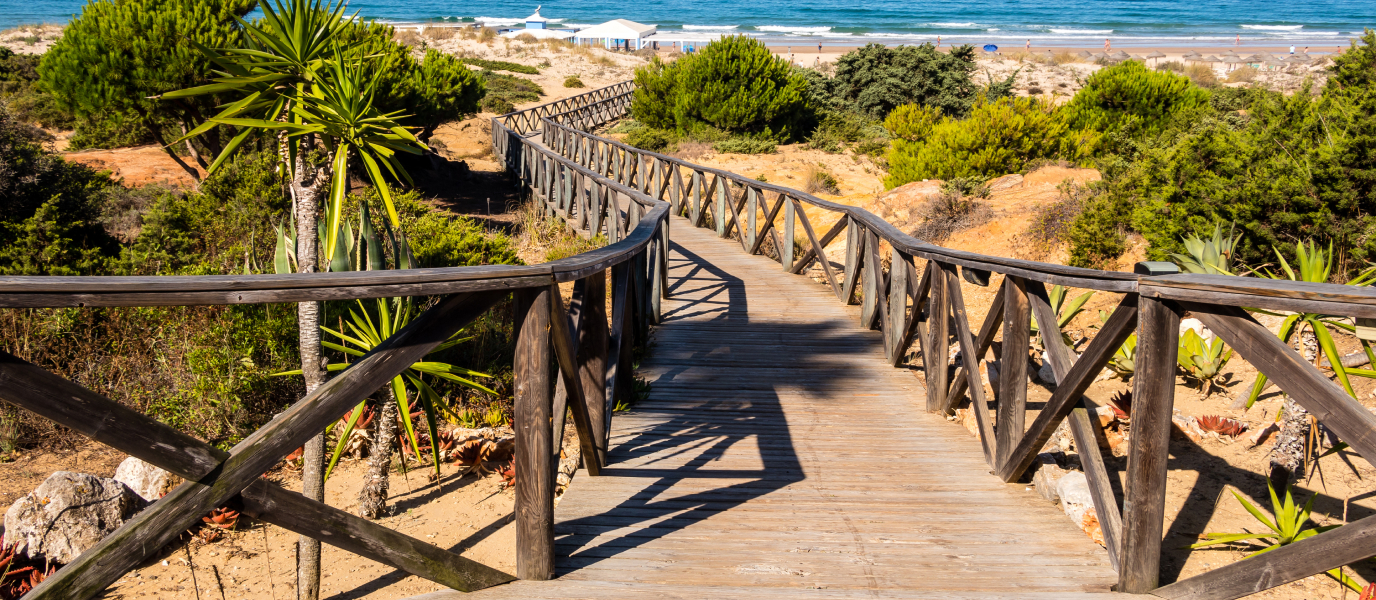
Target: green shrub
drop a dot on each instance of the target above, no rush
(1202, 75)
(510, 89)
(1171, 65)
(743, 145)
(734, 84)
(49, 209)
(912, 122)
(500, 65)
(839, 128)
(440, 239)
(649, 138)
(497, 105)
(1134, 99)
(115, 55)
(572, 81)
(1243, 74)
(877, 79)
(439, 89)
(996, 139)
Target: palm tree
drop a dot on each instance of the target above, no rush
(298, 79)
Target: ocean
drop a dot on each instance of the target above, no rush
(841, 22)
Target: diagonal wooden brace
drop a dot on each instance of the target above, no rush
(162, 522)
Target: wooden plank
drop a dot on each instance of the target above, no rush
(786, 251)
(1280, 363)
(817, 248)
(1345, 545)
(1068, 393)
(1100, 488)
(978, 402)
(768, 226)
(162, 522)
(1012, 409)
(872, 289)
(1153, 397)
(987, 329)
(1298, 296)
(533, 458)
(565, 342)
(935, 354)
(897, 325)
(810, 255)
(855, 259)
(1060, 355)
(918, 288)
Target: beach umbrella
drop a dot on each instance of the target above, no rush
(1274, 63)
(1121, 55)
(1255, 58)
(991, 48)
(1083, 54)
(1232, 61)
(1098, 55)
(1295, 60)
(1209, 59)
(1156, 55)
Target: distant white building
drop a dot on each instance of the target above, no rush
(537, 26)
(536, 21)
(617, 33)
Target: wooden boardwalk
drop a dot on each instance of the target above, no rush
(778, 457)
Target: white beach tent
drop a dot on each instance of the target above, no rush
(615, 33)
(540, 34)
(680, 41)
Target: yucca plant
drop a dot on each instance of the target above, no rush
(1314, 265)
(1287, 528)
(1123, 363)
(1213, 256)
(1065, 311)
(1202, 360)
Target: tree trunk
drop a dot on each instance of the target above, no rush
(158, 137)
(372, 499)
(1289, 453)
(191, 148)
(307, 187)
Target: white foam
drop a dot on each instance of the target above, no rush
(709, 27)
(993, 29)
(499, 22)
(1082, 31)
(1274, 27)
(955, 25)
(792, 29)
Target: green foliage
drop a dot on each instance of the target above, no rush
(572, 81)
(1134, 99)
(1123, 363)
(49, 210)
(877, 79)
(1064, 311)
(115, 55)
(649, 138)
(1213, 256)
(505, 91)
(734, 84)
(438, 89)
(1202, 360)
(500, 65)
(996, 139)
(840, 128)
(1287, 528)
(439, 239)
(745, 145)
(912, 122)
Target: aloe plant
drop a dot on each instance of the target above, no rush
(1213, 256)
(1065, 311)
(1123, 363)
(1314, 265)
(1287, 528)
(1201, 359)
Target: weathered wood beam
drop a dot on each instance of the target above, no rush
(1012, 409)
(1100, 488)
(534, 461)
(978, 403)
(987, 329)
(565, 342)
(817, 247)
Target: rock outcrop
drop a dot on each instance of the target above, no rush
(68, 514)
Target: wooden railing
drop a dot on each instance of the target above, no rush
(592, 363)
(917, 296)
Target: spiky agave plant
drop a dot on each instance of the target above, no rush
(1202, 360)
(1064, 310)
(1287, 528)
(1213, 256)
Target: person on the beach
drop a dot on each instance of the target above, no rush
(790, 58)
(1292, 49)
(1029, 45)
(1237, 41)
(1107, 45)
(1306, 49)
(938, 42)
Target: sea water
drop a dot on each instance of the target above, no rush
(1008, 23)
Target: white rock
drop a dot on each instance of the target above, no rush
(148, 481)
(68, 514)
(1046, 374)
(1048, 475)
(1073, 490)
(1197, 326)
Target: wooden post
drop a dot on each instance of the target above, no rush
(1012, 407)
(534, 438)
(592, 358)
(786, 253)
(935, 356)
(1153, 396)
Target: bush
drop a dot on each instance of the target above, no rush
(1243, 74)
(500, 65)
(912, 122)
(439, 239)
(745, 146)
(437, 90)
(734, 84)
(1134, 99)
(115, 55)
(1173, 66)
(649, 138)
(996, 139)
(877, 79)
(572, 81)
(510, 89)
(49, 210)
(1202, 75)
(958, 207)
(842, 127)
(497, 105)
(818, 181)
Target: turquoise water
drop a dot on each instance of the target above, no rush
(840, 22)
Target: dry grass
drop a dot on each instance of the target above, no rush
(819, 181)
(1202, 75)
(442, 33)
(1042, 58)
(546, 238)
(527, 38)
(409, 38)
(1243, 74)
(487, 35)
(1050, 225)
(956, 209)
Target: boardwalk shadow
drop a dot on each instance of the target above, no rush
(715, 395)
